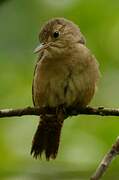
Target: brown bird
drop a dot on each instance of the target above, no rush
(65, 75)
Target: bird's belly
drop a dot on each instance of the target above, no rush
(63, 89)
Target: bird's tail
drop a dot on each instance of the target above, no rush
(47, 136)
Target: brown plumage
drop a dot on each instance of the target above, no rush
(65, 75)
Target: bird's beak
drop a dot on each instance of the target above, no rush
(39, 48)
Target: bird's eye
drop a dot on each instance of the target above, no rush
(56, 34)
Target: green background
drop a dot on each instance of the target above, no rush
(84, 139)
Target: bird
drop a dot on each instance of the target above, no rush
(66, 75)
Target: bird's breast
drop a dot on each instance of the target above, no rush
(59, 82)
(50, 79)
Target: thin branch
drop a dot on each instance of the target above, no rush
(114, 151)
(68, 111)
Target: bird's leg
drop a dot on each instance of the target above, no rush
(60, 113)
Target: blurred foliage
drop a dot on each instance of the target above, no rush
(84, 139)
(2, 1)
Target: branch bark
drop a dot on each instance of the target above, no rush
(68, 111)
(106, 161)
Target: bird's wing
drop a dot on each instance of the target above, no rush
(34, 76)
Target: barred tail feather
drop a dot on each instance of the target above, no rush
(47, 136)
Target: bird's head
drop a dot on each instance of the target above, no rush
(57, 34)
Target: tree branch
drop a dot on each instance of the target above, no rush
(101, 111)
(114, 151)
(68, 111)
